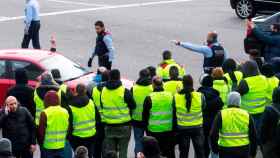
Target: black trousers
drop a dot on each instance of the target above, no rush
(235, 152)
(197, 137)
(33, 34)
(166, 141)
(87, 142)
(99, 137)
(24, 153)
(103, 61)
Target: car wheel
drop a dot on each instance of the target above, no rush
(245, 9)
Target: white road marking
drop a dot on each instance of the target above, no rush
(100, 8)
(78, 3)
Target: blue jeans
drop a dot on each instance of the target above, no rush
(58, 153)
(68, 152)
(138, 136)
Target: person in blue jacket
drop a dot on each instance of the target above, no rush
(271, 40)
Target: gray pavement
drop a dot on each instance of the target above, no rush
(141, 30)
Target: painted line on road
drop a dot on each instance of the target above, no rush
(100, 8)
(78, 3)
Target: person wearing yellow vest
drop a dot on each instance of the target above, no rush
(233, 134)
(158, 116)
(116, 104)
(83, 120)
(166, 64)
(231, 73)
(53, 127)
(220, 83)
(273, 81)
(100, 80)
(175, 83)
(253, 89)
(188, 109)
(46, 84)
(142, 88)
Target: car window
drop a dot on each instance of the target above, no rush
(67, 68)
(33, 71)
(3, 73)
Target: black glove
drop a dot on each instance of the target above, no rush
(90, 62)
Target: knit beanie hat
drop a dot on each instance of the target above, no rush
(51, 98)
(81, 152)
(234, 98)
(5, 147)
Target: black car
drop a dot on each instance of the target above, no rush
(265, 22)
(249, 8)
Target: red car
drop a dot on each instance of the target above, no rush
(37, 62)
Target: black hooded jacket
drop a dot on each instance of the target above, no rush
(141, 82)
(249, 69)
(23, 92)
(128, 98)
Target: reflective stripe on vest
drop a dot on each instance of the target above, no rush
(173, 86)
(273, 82)
(255, 100)
(139, 94)
(39, 103)
(115, 109)
(161, 112)
(84, 120)
(96, 96)
(194, 116)
(57, 127)
(223, 89)
(235, 128)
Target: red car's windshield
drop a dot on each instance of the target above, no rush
(68, 69)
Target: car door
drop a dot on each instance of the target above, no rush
(271, 5)
(33, 71)
(5, 82)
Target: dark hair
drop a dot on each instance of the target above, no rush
(267, 70)
(157, 81)
(21, 76)
(173, 72)
(166, 55)
(105, 76)
(99, 23)
(152, 71)
(276, 26)
(187, 90)
(229, 66)
(207, 81)
(144, 73)
(81, 89)
(115, 75)
(111, 154)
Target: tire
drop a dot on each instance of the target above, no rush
(245, 9)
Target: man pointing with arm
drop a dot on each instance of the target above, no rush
(214, 54)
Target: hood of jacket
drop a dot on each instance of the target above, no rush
(43, 89)
(113, 84)
(79, 101)
(144, 81)
(21, 76)
(250, 68)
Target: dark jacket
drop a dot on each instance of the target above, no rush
(214, 137)
(79, 102)
(249, 69)
(272, 42)
(18, 127)
(213, 105)
(141, 82)
(112, 85)
(148, 106)
(24, 95)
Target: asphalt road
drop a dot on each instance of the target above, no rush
(141, 29)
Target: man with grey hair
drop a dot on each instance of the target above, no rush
(233, 133)
(32, 24)
(18, 126)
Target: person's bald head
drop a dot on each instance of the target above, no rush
(12, 103)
